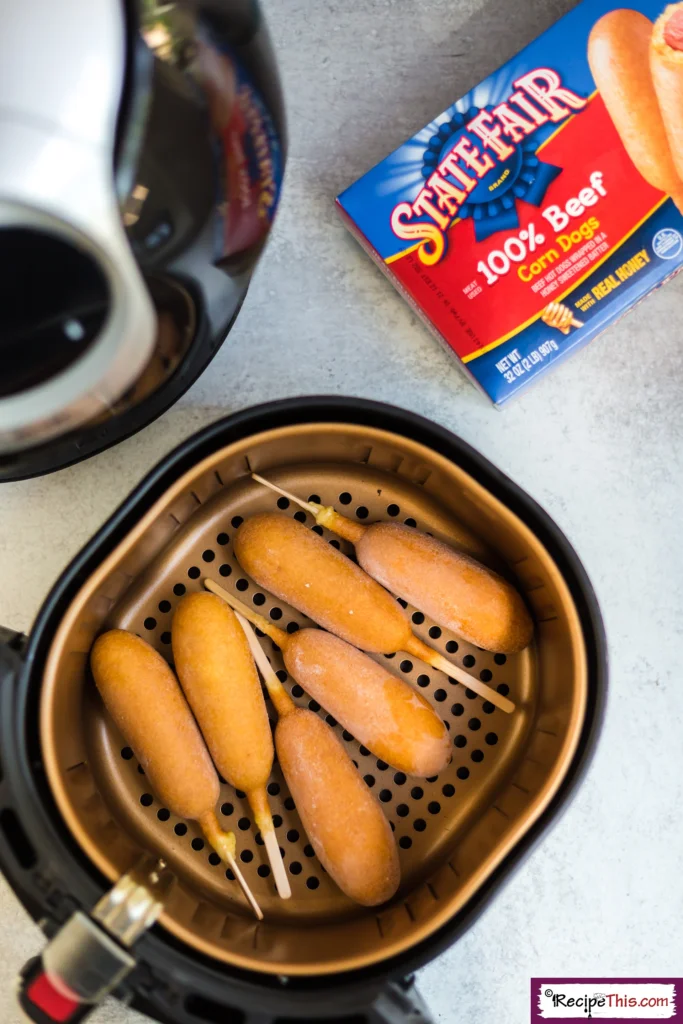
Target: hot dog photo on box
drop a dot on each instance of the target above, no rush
(540, 207)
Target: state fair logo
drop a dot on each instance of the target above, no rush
(605, 999)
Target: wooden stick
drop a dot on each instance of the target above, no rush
(274, 632)
(420, 650)
(308, 505)
(258, 801)
(224, 844)
(284, 705)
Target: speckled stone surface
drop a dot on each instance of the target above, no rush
(599, 443)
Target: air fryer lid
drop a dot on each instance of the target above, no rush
(453, 831)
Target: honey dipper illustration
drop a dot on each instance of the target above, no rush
(560, 316)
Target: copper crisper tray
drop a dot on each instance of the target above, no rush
(452, 830)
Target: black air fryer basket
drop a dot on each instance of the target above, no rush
(76, 815)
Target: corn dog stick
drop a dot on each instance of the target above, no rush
(309, 506)
(619, 59)
(666, 62)
(413, 646)
(452, 588)
(220, 681)
(224, 844)
(145, 701)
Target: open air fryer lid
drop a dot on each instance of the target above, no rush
(177, 515)
(142, 155)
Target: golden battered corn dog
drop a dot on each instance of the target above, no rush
(299, 567)
(383, 712)
(666, 62)
(619, 59)
(452, 588)
(345, 823)
(142, 696)
(219, 679)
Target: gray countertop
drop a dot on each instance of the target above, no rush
(598, 443)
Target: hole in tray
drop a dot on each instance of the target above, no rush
(477, 756)
(448, 789)
(312, 882)
(179, 589)
(345, 498)
(469, 660)
(146, 799)
(405, 842)
(460, 740)
(283, 502)
(163, 814)
(419, 824)
(451, 646)
(417, 792)
(499, 659)
(126, 753)
(222, 539)
(164, 606)
(263, 870)
(410, 521)
(227, 810)
(225, 569)
(236, 522)
(295, 868)
(440, 695)
(150, 623)
(491, 738)
(194, 572)
(362, 512)
(300, 516)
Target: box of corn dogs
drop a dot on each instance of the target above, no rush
(541, 206)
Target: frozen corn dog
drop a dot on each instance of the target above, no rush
(220, 681)
(144, 699)
(383, 712)
(619, 59)
(345, 823)
(666, 62)
(298, 566)
(454, 589)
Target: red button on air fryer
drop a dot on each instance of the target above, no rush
(47, 998)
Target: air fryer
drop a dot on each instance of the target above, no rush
(141, 148)
(78, 818)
